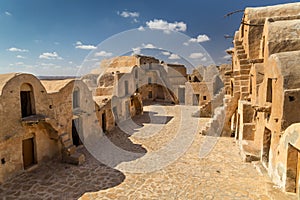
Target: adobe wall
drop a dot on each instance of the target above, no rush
(13, 132)
(193, 88)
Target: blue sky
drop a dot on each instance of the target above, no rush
(55, 37)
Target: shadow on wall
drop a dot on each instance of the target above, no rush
(55, 180)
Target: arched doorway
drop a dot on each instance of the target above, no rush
(27, 100)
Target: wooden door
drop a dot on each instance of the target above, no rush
(298, 171)
(28, 153)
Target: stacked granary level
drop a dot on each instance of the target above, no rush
(263, 91)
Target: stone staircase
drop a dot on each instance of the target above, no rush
(221, 116)
(69, 153)
(206, 110)
(241, 77)
(215, 125)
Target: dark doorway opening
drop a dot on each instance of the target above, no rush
(160, 93)
(269, 90)
(238, 118)
(75, 136)
(126, 87)
(181, 95)
(27, 103)
(28, 153)
(196, 99)
(150, 94)
(115, 112)
(127, 107)
(266, 147)
(138, 106)
(103, 122)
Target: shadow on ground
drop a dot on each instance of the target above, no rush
(56, 180)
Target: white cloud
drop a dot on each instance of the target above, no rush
(127, 14)
(229, 49)
(167, 27)
(141, 28)
(136, 50)
(204, 59)
(166, 53)
(14, 49)
(103, 54)
(19, 63)
(174, 57)
(79, 45)
(226, 57)
(200, 38)
(19, 56)
(186, 44)
(149, 46)
(196, 55)
(47, 64)
(50, 56)
(7, 13)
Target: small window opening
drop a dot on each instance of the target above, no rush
(292, 98)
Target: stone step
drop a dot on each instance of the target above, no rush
(244, 89)
(242, 56)
(244, 83)
(241, 51)
(236, 93)
(248, 152)
(236, 88)
(238, 42)
(244, 95)
(245, 66)
(245, 71)
(244, 61)
(68, 142)
(70, 149)
(239, 47)
(74, 158)
(237, 79)
(64, 137)
(260, 168)
(236, 73)
(244, 77)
